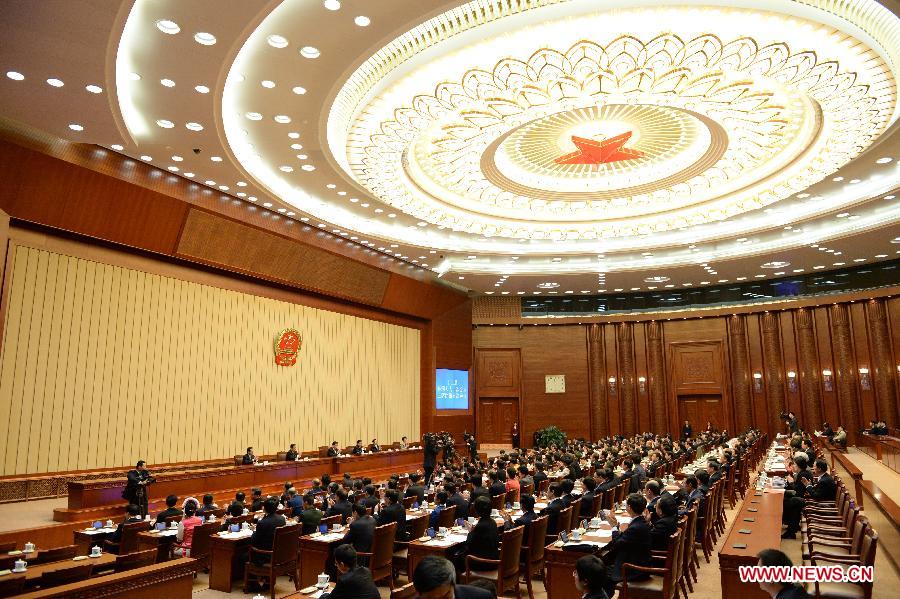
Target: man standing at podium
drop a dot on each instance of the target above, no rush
(136, 487)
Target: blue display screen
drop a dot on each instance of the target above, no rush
(452, 389)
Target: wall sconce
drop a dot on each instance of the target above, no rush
(792, 381)
(612, 385)
(757, 382)
(864, 381)
(827, 380)
(642, 384)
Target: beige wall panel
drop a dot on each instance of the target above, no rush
(102, 365)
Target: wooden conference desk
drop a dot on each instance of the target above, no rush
(765, 509)
(95, 498)
(227, 558)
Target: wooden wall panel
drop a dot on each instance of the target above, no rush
(102, 364)
(806, 339)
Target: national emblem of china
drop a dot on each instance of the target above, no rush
(287, 346)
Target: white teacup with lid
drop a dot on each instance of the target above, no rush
(19, 565)
(29, 547)
(96, 551)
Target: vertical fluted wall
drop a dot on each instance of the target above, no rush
(740, 371)
(809, 373)
(656, 377)
(882, 371)
(845, 369)
(597, 381)
(625, 334)
(773, 367)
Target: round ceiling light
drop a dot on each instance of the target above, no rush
(76, 127)
(282, 118)
(55, 82)
(94, 89)
(267, 83)
(308, 167)
(15, 75)
(165, 124)
(362, 21)
(167, 82)
(201, 89)
(277, 41)
(884, 160)
(309, 52)
(299, 90)
(286, 169)
(332, 4)
(205, 39)
(194, 126)
(775, 264)
(167, 26)
(117, 147)
(547, 285)
(254, 116)
(657, 279)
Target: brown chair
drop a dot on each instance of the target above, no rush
(416, 527)
(505, 574)
(526, 489)
(381, 557)
(447, 517)
(498, 502)
(56, 554)
(138, 559)
(201, 543)
(576, 512)
(409, 501)
(596, 504)
(55, 578)
(171, 519)
(533, 553)
(663, 582)
(512, 496)
(543, 486)
(330, 520)
(282, 559)
(129, 541)
(844, 590)
(407, 591)
(12, 585)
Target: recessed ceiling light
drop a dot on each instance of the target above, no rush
(392, 215)
(15, 75)
(204, 38)
(117, 147)
(194, 126)
(223, 187)
(267, 204)
(252, 198)
(775, 264)
(202, 89)
(657, 279)
(210, 182)
(166, 26)
(308, 167)
(146, 158)
(891, 197)
(547, 285)
(94, 89)
(293, 135)
(302, 156)
(254, 116)
(267, 83)
(838, 179)
(839, 263)
(299, 90)
(819, 267)
(285, 168)
(241, 194)
(216, 158)
(241, 184)
(282, 118)
(362, 21)
(342, 193)
(859, 259)
(188, 174)
(55, 82)
(842, 215)
(296, 147)
(167, 82)
(173, 168)
(854, 181)
(177, 158)
(881, 255)
(165, 124)
(309, 52)
(884, 160)
(354, 200)
(332, 4)
(277, 41)
(76, 127)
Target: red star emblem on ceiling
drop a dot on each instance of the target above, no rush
(599, 152)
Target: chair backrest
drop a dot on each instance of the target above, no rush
(281, 456)
(675, 566)
(565, 520)
(526, 489)
(218, 512)
(138, 559)
(510, 550)
(284, 547)
(382, 549)
(576, 510)
(12, 585)
(176, 518)
(54, 555)
(129, 541)
(536, 534)
(859, 532)
(446, 517)
(543, 486)
(202, 539)
(512, 496)
(498, 501)
(409, 501)
(55, 578)
(867, 547)
(609, 497)
(336, 519)
(596, 504)
(417, 526)
(407, 591)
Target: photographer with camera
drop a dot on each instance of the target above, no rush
(136, 487)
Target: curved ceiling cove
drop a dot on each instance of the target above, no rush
(554, 140)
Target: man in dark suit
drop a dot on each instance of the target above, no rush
(589, 483)
(170, 510)
(374, 447)
(393, 511)
(686, 430)
(354, 581)
(553, 508)
(264, 535)
(568, 485)
(370, 500)
(435, 578)
(249, 457)
(528, 516)
(311, 516)
(133, 514)
(484, 537)
(455, 498)
(666, 523)
(361, 530)
(630, 543)
(292, 453)
(779, 590)
(334, 451)
(607, 480)
(714, 471)
(497, 487)
(431, 448)
(824, 489)
(415, 488)
(539, 476)
(341, 506)
(358, 448)
(136, 488)
(295, 502)
(798, 481)
(651, 494)
(256, 499)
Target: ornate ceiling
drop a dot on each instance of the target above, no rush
(509, 146)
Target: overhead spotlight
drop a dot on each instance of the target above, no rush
(332, 4)
(362, 21)
(94, 89)
(169, 27)
(205, 39)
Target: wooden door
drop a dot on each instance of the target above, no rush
(700, 409)
(496, 418)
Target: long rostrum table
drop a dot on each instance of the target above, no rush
(92, 498)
